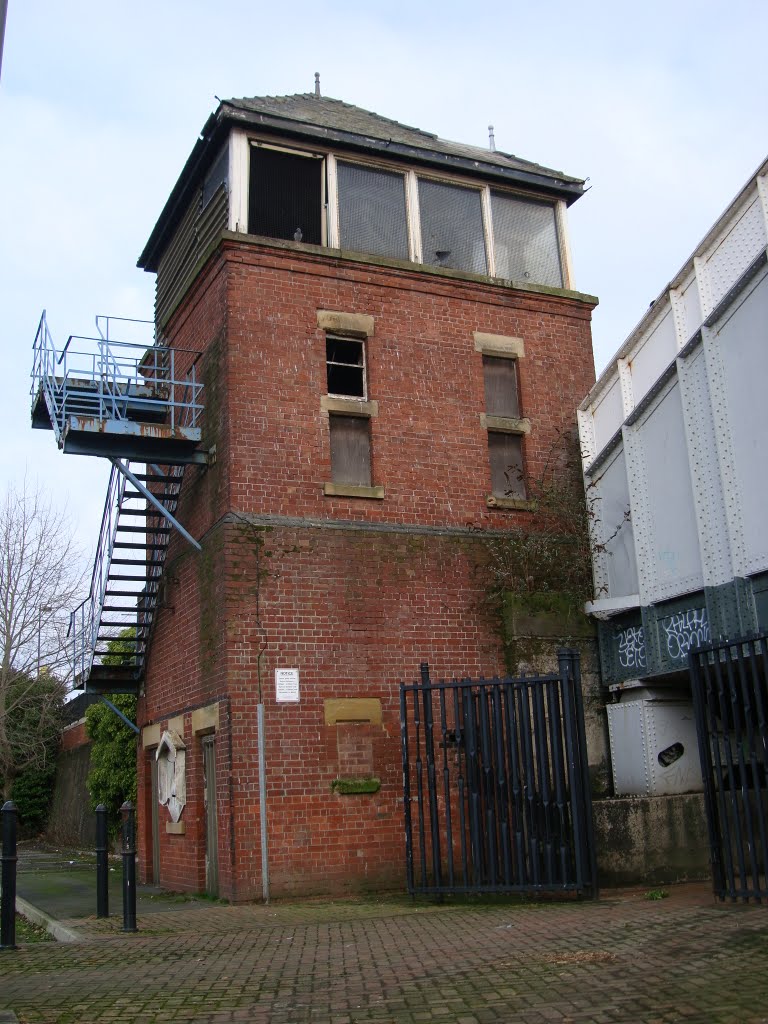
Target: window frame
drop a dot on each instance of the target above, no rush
(502, 347)
(329, 202)
(363, 367)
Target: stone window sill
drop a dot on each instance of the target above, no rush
(522, 504)
(505, 424)
(352, 491)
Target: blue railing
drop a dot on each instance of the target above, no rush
(105, 379)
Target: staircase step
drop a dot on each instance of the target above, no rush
(128, 545)
(144, 529)
(147, 509)
(124, 593)
(157, 479)
(134, 561)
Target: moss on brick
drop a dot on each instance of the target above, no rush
(348, 787)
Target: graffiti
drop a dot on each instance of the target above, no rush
(632, 647)
(684, 630)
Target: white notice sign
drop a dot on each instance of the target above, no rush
(286, 684)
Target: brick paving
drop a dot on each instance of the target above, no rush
(624, 959)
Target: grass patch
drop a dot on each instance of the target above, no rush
(28, 932)
(657, 894)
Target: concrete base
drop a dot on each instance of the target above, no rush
(651, 839)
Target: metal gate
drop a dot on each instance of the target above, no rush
(730, 697)
(495, 784)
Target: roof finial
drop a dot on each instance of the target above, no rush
(491, 139)
(317, 83)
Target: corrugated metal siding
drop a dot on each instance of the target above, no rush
(194, 237)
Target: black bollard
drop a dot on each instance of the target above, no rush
(102, 863)
(8, 899)
(129, 866)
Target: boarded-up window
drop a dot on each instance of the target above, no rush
(500, 377)
(525, 241)
(350, 450)
(506, 458)
(345, 367)
(452, 227)
(372, 215)
(285, 196)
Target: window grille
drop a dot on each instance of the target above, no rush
(452, 227)
(345, 367)
(285, 196)
(372, 211)
(525, 241)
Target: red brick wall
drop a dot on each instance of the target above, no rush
(74, 735)
(357, 597)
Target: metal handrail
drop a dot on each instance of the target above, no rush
(107, 379)
(84, 620)
(120, 374)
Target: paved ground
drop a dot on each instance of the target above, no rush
(624, 959)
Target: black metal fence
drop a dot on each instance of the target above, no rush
(730, 697)
(495, 784)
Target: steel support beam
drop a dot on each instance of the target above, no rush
(154, 501)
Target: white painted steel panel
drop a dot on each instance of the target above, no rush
(705, 468)
(736, 249)
(611, 505)
(692, 305)
(654, 355)
(674, 542)
(608, 414)
(644, 734)
(743, 341)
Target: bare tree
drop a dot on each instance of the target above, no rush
(41, 574)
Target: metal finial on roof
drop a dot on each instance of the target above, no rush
(491, 139)
(317, 83)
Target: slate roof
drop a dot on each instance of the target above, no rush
(326, 113)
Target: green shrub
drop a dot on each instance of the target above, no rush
(112, 775)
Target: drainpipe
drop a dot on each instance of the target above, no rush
(263, 803)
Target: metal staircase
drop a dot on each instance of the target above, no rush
(132, 404)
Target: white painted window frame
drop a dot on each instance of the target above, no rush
(240, 142)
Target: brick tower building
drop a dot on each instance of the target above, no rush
(388, 342)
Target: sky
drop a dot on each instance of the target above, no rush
(660, 105)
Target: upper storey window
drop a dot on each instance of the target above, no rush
(452, 227)
(525, 237)
(402, 214)
(372, 211)
(285, 195)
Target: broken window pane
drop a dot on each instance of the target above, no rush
(345, 362)
(285, 196)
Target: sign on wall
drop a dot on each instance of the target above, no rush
(286, 685)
